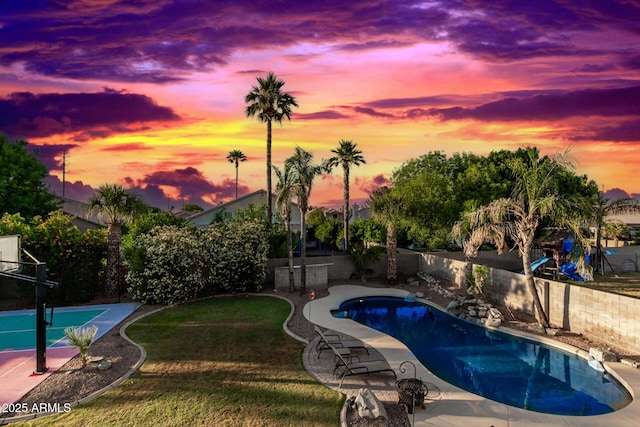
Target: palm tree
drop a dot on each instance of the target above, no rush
(387, 206)
(534, 199)
(116, 205)
(285, 193)
(236, 156)
(600, 210)
(346, 155)
(304, 171)
(472, 239)
(268, 103)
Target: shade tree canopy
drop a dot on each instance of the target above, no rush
(22, 186)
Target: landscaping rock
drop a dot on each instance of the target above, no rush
(493, 323)
(104, 365)
(603, 355)
(369, 406)
(453, 305)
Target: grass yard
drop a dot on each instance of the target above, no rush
(217, 362)
(623, 283)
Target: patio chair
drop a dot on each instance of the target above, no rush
(345, 369)
(344, 346)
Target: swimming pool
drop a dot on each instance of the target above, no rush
(498, 366)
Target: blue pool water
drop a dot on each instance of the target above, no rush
(496, 365)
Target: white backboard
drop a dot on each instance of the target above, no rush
(10, 253)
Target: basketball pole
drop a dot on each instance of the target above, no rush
(41, 321)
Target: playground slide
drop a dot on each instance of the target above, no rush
(537, 263)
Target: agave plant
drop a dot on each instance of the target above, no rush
(81, 338)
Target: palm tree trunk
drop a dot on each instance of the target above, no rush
(269, 211)
(531, 284)
(345, 214)
(303, 250)
(292, 285)
(236, 179)
(114, 234)
(392, 259)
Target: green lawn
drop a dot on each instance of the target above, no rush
(218, 362)
(623, 283)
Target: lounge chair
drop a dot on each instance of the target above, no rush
(345, 369)
(328, 340)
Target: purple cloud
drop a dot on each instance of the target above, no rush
(623, 132)
(617, 102)
(369, 185)
(51, 155)
(89, 115)
(322, 115)
(163, 42)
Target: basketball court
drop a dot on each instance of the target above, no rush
(32, 342)
(18, 342)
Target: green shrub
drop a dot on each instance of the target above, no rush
(171, 265)
(81, 338)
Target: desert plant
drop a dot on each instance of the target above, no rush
(81, 338)
(364, 257)
(476, 280)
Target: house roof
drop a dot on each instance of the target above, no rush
(227, 204)
(81, 210)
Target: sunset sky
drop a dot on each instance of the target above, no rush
(150, 93)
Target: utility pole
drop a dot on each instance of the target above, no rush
(64, 170)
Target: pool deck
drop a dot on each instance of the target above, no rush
(16, 367)
(452, 406)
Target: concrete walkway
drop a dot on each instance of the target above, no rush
(446, 405)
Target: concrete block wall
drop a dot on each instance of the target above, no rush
(343, 267)
(614, 319)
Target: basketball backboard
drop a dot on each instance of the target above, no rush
(10, 253)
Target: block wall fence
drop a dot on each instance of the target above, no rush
(611, 318)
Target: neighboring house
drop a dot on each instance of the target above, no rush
(631, 221)
(257, 198)
(83, 218)
(357, 211)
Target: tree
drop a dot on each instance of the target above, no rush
(192, 207)
(304, 172)
(346, 155)
(285, 193)
(22, 186)
(535, 198)
(603, 207)
(236, 156)
(268, 103)
(116, 205)
(388, 206)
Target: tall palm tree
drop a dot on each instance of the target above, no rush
(268, 103)
(534, 199)
(285, 193)
(304, 171)
(236, 156)
(116, 205)
(599, 212)
(387, 206)
(346, 155)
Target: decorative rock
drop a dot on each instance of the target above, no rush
(473, 313)
(104, 365)
(493, 323)
(96, 359)
(419, 294)
(482, 313)
(470, 301)
(601, 355)
(552, 331)
(369, 406)
(494, 313)
(452, 305)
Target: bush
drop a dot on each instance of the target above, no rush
(171, 265)
(166, 266)
(74, 259)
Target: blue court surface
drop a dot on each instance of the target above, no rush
(18, 342)
(18, 327)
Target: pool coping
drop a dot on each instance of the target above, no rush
(457, 407)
